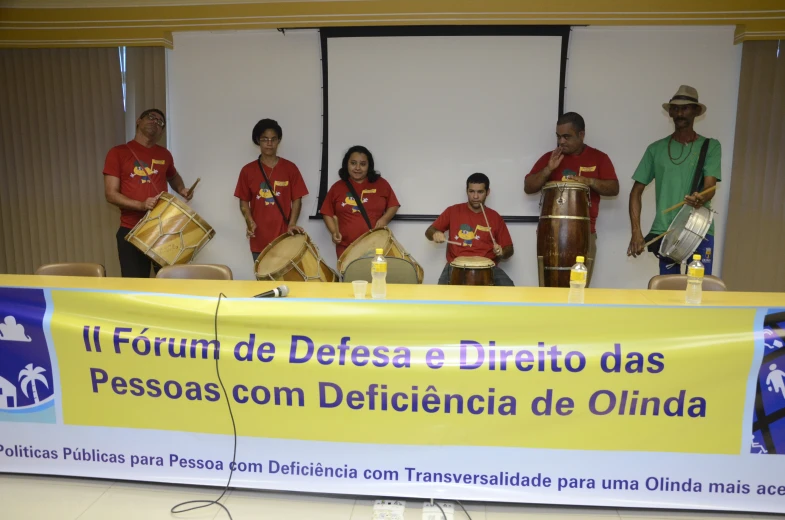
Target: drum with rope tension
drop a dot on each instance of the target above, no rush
(368, 242)
(293, 258)
(171, 233)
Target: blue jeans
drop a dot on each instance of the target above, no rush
(499, 277)
(705, 249)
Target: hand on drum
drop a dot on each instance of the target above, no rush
(637, 243)
(250, 230)
(439, 238)
(497, 250)
(150, 203)
(337, 237)
(295, 230)
(695, 200)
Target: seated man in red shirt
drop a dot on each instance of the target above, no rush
(135, 175)
(575, 161)
(468, 228)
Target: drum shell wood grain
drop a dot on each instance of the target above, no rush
(563, 231)
(296, 259)
(471, 276)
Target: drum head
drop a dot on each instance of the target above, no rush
(686, 232)
(473, 262)
(280, 253)
(366, 245)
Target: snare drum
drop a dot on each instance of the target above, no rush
(686, 233)
(293, 258)
(367, 244)
(471, 270)
(170, 233)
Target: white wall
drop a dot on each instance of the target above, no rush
(221, 83)
(617, 79)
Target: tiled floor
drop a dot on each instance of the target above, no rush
(57, 498)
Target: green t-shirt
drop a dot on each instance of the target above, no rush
(674, 181)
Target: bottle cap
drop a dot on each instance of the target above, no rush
(696, 257)
(579, 259)
(379, 251)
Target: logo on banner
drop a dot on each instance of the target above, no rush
(768, 421)
(26, 384)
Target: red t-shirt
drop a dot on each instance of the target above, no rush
(377, 197)
(288, 186)
(469, 228)
(589, 163)
(141, 176)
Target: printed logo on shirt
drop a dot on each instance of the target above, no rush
(281, 184)
(350, 200)
(707, 258)
(143, 171)
(468, 235)
(266, 194)
(568, 173)
(586, 169)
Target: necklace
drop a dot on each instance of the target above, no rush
(674, 160)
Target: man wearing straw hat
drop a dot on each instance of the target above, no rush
(672, 162)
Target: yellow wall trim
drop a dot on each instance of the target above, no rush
(80, 22)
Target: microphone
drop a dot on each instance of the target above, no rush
(278, 292)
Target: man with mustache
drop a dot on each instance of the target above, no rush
(671, 162)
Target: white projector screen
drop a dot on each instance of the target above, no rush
(435, 109)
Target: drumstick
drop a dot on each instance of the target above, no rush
(453, 243)
(650, 242)
(482, 206)
(191, 191)
(680, 204)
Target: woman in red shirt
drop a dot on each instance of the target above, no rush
(341, 209)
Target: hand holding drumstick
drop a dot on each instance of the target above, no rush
(497, 250)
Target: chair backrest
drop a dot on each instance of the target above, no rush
(678, 282)
(72, 269)
(196, 272)
(398, 270)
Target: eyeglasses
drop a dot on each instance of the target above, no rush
(158, 121)
(270, 140)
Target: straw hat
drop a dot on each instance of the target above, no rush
(686, 95)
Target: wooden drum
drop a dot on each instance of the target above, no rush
(293, 258)
(471, 270)
(367, 244)
(170, 233)
(563, 232)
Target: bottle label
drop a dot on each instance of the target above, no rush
(379, 267)
(577, 276)
(695, 272)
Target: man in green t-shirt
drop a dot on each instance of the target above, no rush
(671, 162)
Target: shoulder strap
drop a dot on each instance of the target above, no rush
(272, 190)
(697, 180)
(359, 202)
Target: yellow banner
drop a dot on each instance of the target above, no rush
(584, 378)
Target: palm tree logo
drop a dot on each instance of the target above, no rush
(29, 375)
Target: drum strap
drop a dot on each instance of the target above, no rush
(272, 191)
(359, 203)
(697, 180)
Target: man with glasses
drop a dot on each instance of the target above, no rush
(572, 160)
(270, 190)
(135, 175)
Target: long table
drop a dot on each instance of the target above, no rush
(632, 399)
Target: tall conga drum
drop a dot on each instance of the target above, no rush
(563, 231)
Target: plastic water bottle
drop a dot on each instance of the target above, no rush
(379, 276)
(578, 275)
(695, 280)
